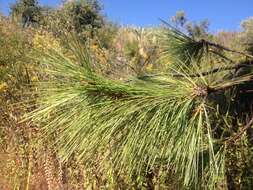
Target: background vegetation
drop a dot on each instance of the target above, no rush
(87, 104)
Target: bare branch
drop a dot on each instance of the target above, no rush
(226, 48)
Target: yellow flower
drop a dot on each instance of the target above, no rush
(45, 41)
(3, 86)
(34, 78)
(149, 67)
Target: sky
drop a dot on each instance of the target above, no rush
(222, 14)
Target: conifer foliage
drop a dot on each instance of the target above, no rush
(184, 121)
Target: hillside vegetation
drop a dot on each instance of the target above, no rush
(88, 104)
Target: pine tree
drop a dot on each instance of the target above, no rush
(188, 121)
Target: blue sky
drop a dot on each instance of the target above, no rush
(223, 14)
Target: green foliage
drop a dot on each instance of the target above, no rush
(175, 122)
(180, 47)
(198, 29)
(81, 16)
(15, 47)
(90, 123)
(179, 19)
(193, 29)
(138, 127)
(247, 34)
(28, 12)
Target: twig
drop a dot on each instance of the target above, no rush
(226, 48)
(215, 89)
(238, 135)
(221, 55)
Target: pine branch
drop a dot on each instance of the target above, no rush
(226, 48)
(204, 42)
(215, 70)
(205, 73)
